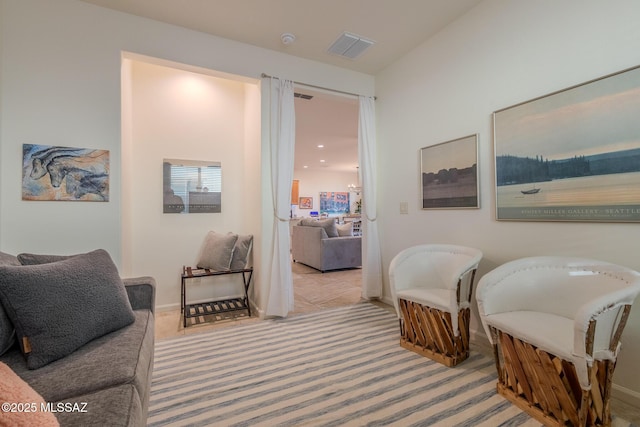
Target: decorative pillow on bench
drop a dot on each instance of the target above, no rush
(241, 252)
(223, 252)
(217, 251)
(59, 306)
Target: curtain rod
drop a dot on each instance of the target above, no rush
(318, 87)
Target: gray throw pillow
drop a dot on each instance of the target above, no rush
(217, 251)
(241, 252)
(7, 331)
(35, 259)
(345, 229)
(309, 222)
(58, 307)
(329, 225)
(7, 259)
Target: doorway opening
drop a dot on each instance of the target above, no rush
(326, 163)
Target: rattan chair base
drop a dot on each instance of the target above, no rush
(547, 388)
(429, 332)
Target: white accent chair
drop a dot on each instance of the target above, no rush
(431, 287)
(555, 325)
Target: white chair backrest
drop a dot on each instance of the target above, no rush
(431, 266)
(555, 285)
(579, 289)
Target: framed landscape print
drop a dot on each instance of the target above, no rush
(449, 174)
(573, 155)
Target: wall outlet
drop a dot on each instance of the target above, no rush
(404, 207)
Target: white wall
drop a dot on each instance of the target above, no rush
(61, 85)
(191, 116)
(312, 182)
(499, 54)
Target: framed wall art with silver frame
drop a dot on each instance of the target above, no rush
(572, 155)
(449, 174)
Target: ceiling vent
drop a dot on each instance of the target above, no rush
(350, 46)
(302, 96)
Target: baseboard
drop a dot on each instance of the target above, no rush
(167, 307)
(387, 300)
(625, 395)
(256, 309)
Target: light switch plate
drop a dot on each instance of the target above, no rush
(404, 207)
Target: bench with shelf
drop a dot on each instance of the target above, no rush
(214, 307)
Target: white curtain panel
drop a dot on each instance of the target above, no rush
(371, 259)
(282, 144)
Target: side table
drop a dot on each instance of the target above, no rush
(215, 306)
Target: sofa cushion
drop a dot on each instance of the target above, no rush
(7, 331)
(217, 251)
(120, 357)
(329, 225)
(114, 407)
(60, 306)
(13, 389)
(241, 252)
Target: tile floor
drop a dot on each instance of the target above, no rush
(315, 291)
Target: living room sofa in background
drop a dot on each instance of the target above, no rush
(107, 380)
(320, 246)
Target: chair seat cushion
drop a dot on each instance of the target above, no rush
(434, 298)
(549, 332)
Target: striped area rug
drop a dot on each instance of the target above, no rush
(339, 367)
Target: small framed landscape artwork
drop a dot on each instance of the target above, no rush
(51, 173)
(305, 203)
(573, 155)
(449, 174)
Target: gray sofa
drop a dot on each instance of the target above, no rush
(111, 373)
(310, 245)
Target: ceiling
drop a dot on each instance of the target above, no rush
(395, 26)
(327, 120)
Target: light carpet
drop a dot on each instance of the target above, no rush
(338, 367)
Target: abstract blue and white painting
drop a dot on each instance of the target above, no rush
(64, 173)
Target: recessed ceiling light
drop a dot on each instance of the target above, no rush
(305, 166)
(320, 146)
(321, 161)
